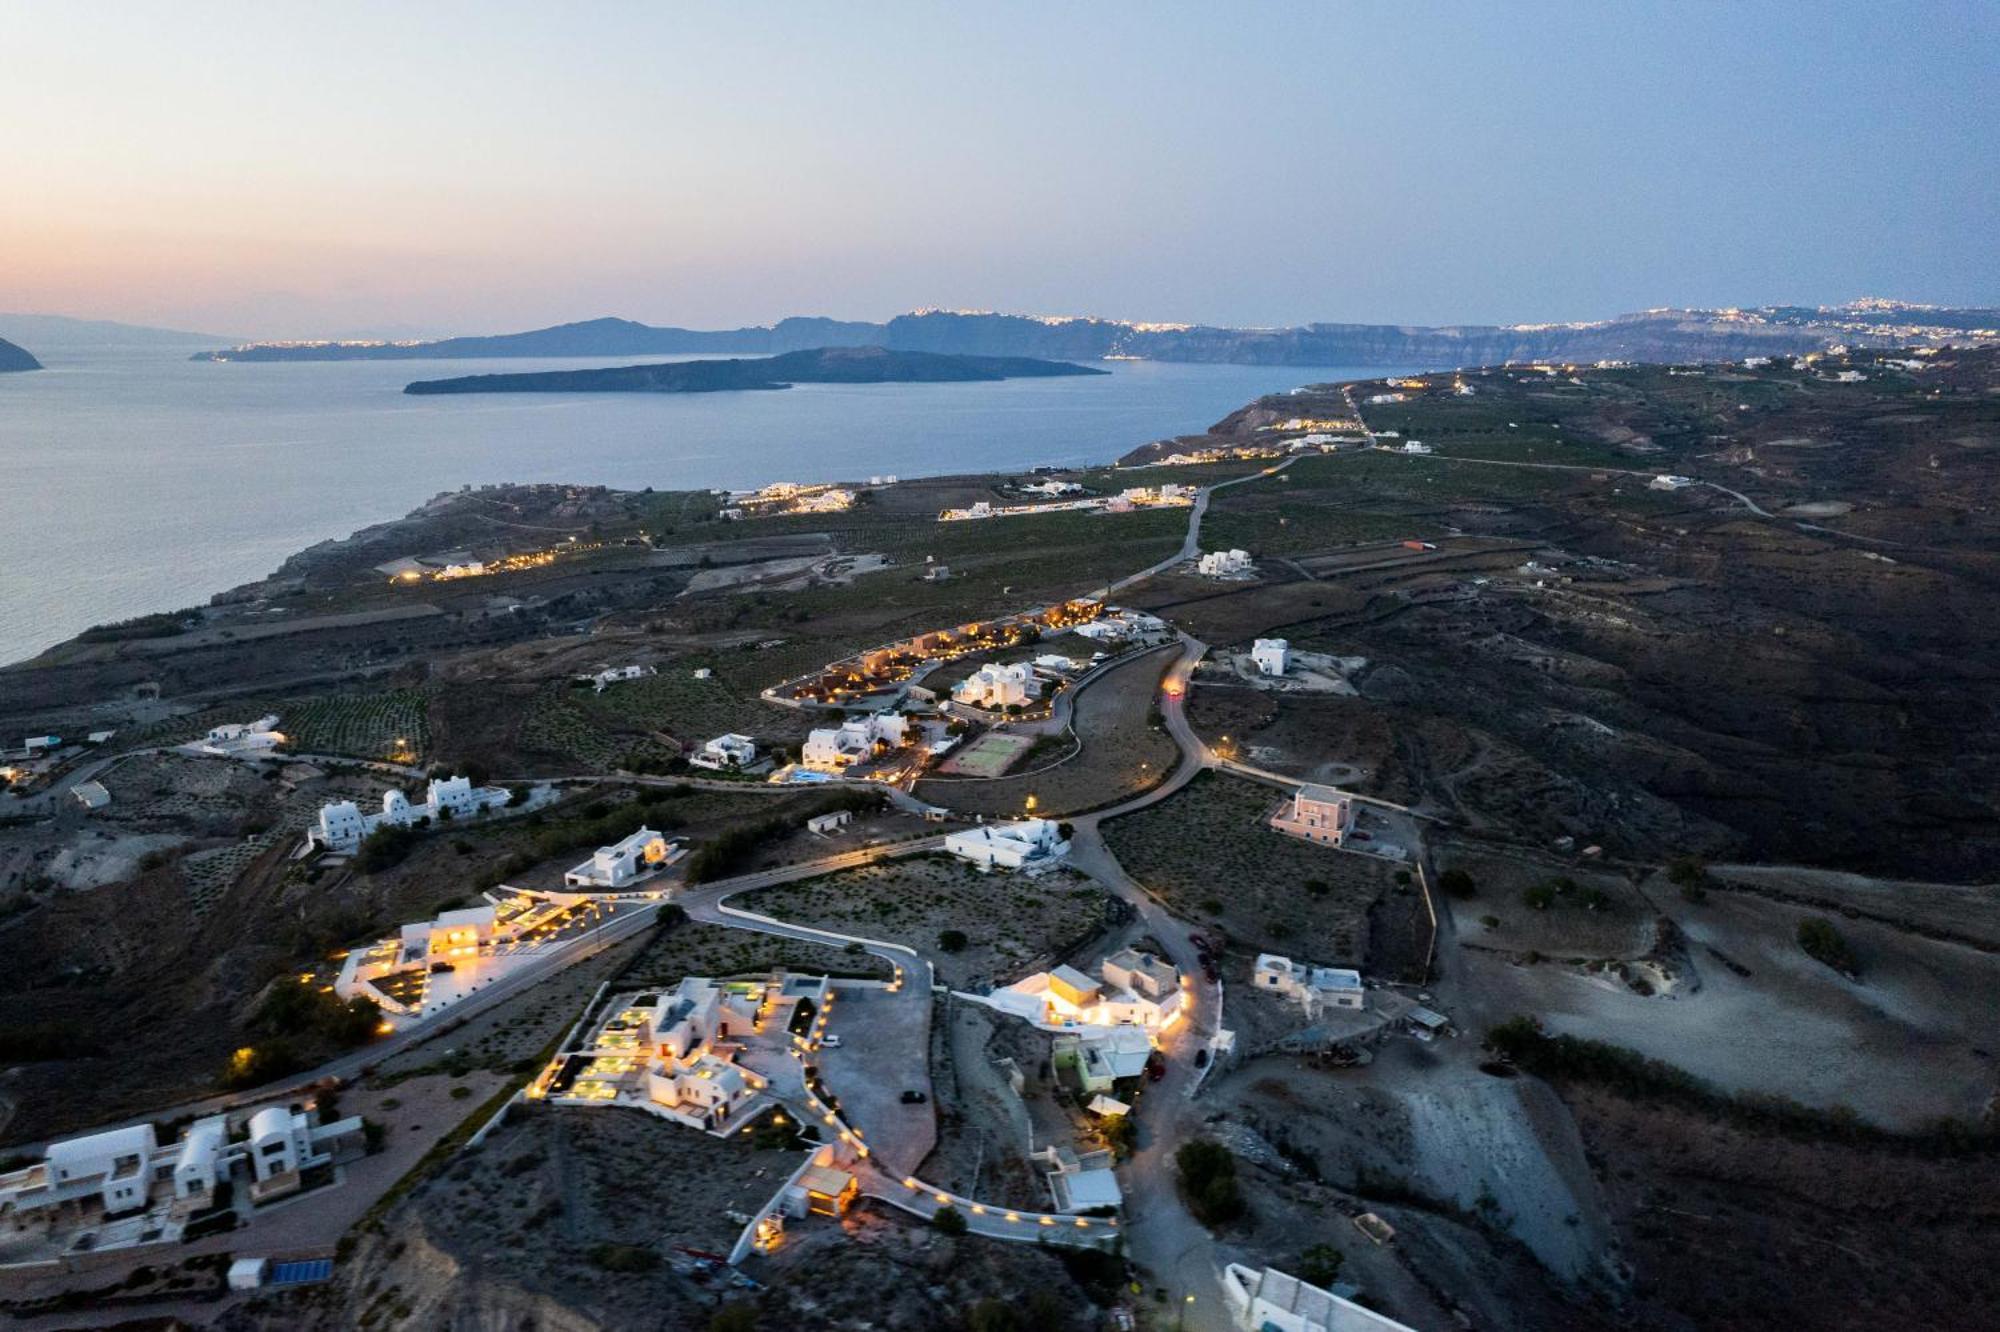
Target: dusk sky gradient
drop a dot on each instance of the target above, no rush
(309, 170)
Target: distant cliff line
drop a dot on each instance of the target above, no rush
(1653, 335)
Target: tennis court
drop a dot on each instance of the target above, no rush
(988, 756)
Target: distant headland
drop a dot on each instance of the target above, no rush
(1650, 335)
(821, 365)
(14, 358)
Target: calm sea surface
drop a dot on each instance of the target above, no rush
(137, 480)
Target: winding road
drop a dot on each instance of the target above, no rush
(1161, 1236)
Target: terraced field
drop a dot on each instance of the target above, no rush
(391, 722)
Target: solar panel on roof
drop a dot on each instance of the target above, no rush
(301, 1273)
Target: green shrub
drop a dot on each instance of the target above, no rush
(950, 1221)
(1208, 1182)
(388, 846)
(1319, 1265)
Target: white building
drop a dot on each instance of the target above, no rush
(837, 748)
(1123, 625)
(1315, 989)
(1664, 481)
(91, 795)
(1105, 1057)
(826, 825)
(1272, 655)
(994, 686)
(342, 825)
(1169, 495)
(127, 1170)
(236, 738)
(1273, 1301)
(1318, 814)
(1030, 844)
(675, 1054)
(612, 675)
(1417, 447)
(639, 856)
(1224, 564)
(1136, 990)
(1052, 488)
(687, 1078)
(1081, 1183)
(725, 751)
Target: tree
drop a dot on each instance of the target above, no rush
(1456, 882)
(953, 941)
(1539, 896)
(950, 1221)
(1318, 887)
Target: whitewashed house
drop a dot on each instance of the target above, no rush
(1135, 989)
(837, 748)
(238, 738)
(1273, 656)
(1029, 844)
(1223, 564)
(724, 752)
(994, 686)
(127, 1170)
(612, 675)
(686, 1077)
(625, 863)
(826, 825)
(1081, 1182)
(1315, 989)
(1318, 814)
(342, 825)
(1103, 1057)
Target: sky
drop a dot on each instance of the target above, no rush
(295, 170)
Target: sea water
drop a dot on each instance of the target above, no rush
(136, 480)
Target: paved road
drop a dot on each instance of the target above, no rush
(1191, 544)
(627, 920)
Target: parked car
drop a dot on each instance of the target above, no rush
(914, 1097)
(830, 1041)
